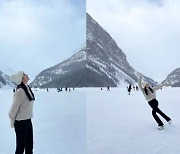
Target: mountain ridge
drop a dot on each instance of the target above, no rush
(100, 63)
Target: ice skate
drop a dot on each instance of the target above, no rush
(170, 122)
(160, 127)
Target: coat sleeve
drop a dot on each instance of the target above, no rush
(17, 101)
(158, 87)
(140, 84)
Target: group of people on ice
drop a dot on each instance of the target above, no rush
(130, 87)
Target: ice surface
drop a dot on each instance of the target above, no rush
(59, 123)
(94, 121)
(117, 123)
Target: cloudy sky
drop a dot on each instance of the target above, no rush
(148, 32)
(37, 34)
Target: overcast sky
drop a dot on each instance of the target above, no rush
(37, 34)
(148, 32)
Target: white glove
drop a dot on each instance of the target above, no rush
(11, 123)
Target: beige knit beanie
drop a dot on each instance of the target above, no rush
(17, 77)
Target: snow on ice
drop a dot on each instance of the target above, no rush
(94, 121)
(59, 123)
(117, 123)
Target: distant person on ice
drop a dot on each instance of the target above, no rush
(21, 113)
(129, 89)
(150, 95)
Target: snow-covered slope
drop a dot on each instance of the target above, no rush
(106, 58)
(68, 73)
(100, 63)
(174, 78)
(4, 80)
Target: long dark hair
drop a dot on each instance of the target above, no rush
(145, 89)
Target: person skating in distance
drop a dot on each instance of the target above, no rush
(150, 95)
(21, 113)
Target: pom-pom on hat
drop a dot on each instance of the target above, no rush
(17, 77)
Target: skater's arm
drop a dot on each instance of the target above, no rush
(158, 87)
(140, 83)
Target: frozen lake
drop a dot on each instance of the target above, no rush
(59, 123)
(121, 124)
(94, 121)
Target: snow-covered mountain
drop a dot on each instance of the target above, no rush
(174, 78)
(4, 80)
(6, 69)
(101, 63)
(106, 58)
(70, 73)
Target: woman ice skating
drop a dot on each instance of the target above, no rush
(21, 113)
(150, 95)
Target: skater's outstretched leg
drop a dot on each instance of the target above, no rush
(163, 115)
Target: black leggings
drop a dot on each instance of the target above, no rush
(24, 136)
(154, 105)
